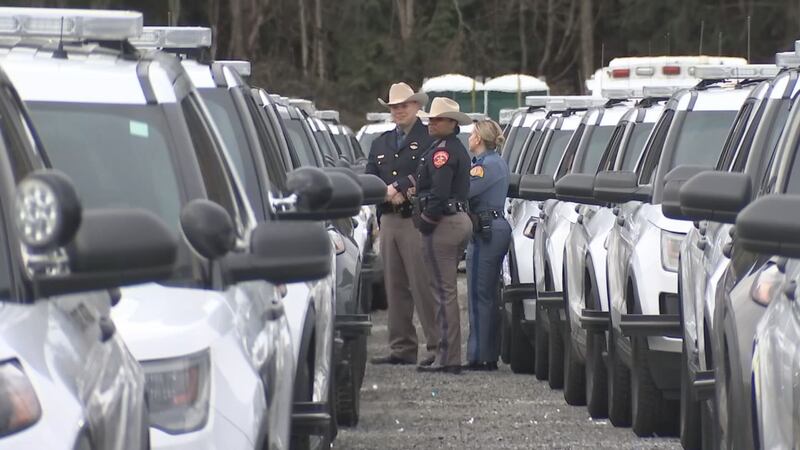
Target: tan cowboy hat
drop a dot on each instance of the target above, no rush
(401, 93)
(448, 109)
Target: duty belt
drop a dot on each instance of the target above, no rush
(490, 213)
(404, 209)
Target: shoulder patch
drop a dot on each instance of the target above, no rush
(440, 158)
(476, 171)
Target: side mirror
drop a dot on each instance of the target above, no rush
(620, 187)
(282, 252)
(576, 187)
(670, 200)
(718, 196)
(312, 187)
(48, 210)
(372, 187)
(771, 226)
(537, 187)
(513, 185)
(347, 196)
(209, 228)
(113, 248)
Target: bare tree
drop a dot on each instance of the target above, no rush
(405, 14)
(523, 41)
(587, 38)
(174, 12)
(301, 12)
(319, 41)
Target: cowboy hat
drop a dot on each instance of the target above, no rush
(443, 107)
(401, 93)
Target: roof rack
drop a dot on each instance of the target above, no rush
(375, 117)
(70, 24)
(173, 37)
(328, 115)
(538, 101)
(748, 71)
(305, 105)
(661, 91)
(620, 93)
(242, 67)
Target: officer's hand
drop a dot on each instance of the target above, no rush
(398, 199)
(411, 191)
(390, 193)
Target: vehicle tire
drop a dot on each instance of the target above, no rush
(303, 382)
(555, 353)
(646, 401)
(574, 377)
(541, 345)
(522, 352)
(619, 387)
(379, 301)
(690, 430)
(505, 336)
(347, 386)
(596, 376)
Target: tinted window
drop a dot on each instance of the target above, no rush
(516, 146)
(701, 137)
(635, 146)
(594, 150)
(118, 156)
(554, 151)
(229, 123)
(300, 142)
(343, 141)
(358, 150)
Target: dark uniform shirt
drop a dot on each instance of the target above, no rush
(443, 177)
(488, 182)
(394, 158)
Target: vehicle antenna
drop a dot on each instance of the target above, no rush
(59, 53)
(702, 28)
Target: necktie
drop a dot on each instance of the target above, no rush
(400, 137)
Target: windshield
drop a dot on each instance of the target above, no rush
(594, 150)
(300, 142)
(701, 137)
(118, 156)
(635, 146)
(226, 118)
(554, 151)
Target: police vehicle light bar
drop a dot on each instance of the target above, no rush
(660, 91)
(72, 24)
(787, 60)
(537, 101)
(242, 67)
(506, 115)
(379, 117)
(714, 72)
(305, 105)
(620, 93)
(328, 114)
(173, 37)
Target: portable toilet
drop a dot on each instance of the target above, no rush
(509, 91)
(467, 91)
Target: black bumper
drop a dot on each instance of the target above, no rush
(310, 418)
(594, 321)
(650, 325)
(518, 292)
(351, 326)
(703, 385)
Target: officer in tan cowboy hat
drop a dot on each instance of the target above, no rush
(441, 216)
(394, 157)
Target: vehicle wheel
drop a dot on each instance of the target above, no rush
(541, 345)
(619, 387)
(522, 353)
(302, 392)
(646, 401)
(379, 296)
(574, 377)
(347, 386)
(555, 353)
(596, 376)
(505, 336)
(690, 409)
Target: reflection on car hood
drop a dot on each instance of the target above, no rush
(162, 322)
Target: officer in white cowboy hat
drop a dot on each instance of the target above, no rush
(441, 216)
(394, 157)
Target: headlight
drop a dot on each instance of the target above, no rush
(19, 407)
(670, 250)
(178, 392)
(766, 284)
(337, 241)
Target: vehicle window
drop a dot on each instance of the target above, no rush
(126, 163)
(515, 148)
(569, 154)
(734, 138)
(344, 144)
(701, 137)
(554, 151)
(357, 148)
(530, 150)
(269, 144)
(510, 132)
(300, 143)
(19, 142)
(216, 180)
(777, 124)
(654, 147)
(328, 151)
(608, 160)
(229, 123)
(635, 145)
(598, 142)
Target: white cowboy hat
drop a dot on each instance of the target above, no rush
(448, 109)
(401, 93)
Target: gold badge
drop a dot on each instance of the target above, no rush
(413, 146)
(476, 171)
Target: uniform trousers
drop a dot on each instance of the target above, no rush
(484, 262)
(442, 250)
(407, 287)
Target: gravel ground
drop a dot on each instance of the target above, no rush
(401, 409)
